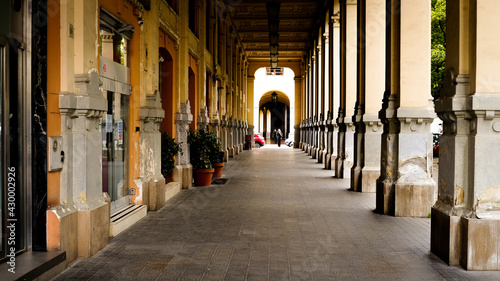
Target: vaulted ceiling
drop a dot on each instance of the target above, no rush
(298, 21)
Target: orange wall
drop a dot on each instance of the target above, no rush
(125, 12)
(53, 89)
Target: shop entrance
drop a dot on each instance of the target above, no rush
(114, 70)
(114, 150)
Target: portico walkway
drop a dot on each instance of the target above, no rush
(279, 217)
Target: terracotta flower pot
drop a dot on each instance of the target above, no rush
(203, 177)
(218, 169)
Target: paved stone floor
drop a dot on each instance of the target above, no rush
(279, 217)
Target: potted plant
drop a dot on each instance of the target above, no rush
(216, 155)
(199, 147)
(169, 150)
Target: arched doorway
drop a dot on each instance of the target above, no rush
(275, 108)
(192, 98)
(165, 81)
(279, 114)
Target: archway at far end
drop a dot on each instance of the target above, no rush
(270, 113)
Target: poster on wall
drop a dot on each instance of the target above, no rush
(109, 123)
(119, 125)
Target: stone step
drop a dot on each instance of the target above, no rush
(34, 266)
(125, 217)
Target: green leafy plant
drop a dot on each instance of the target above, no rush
(438, 45)
(169, 150)
(215, 144)
(205, 148)
(199, 148)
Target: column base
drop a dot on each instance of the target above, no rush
(347, 166)
(184, 175)
(152, 188)
(384, 198)
(62, 233)
(480, 243)
(414, 199)
(327, 161)
(93, 230)
(445, 235)
(369, 178)
(314, 151)
(319, 154)
(166, 192)
(339, 167)
(355, 179)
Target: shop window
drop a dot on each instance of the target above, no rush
(114, 47)
(114, 38)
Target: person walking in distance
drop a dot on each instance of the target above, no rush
(279, 135)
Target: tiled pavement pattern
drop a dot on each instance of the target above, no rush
(279, 217)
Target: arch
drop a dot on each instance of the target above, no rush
(284, 86)
(166, 87)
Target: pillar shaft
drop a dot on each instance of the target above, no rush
(348, 17)
(405, 187)
(465, 217)
(371, 75)
(321, 85)
(329, 118)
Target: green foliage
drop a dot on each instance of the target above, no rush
(438, 45)
(204, 147)
(169, 150)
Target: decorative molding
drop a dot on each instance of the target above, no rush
(170, 31)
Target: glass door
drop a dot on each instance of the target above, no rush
(114, 150)
(12, 192)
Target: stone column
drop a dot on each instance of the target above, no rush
(152, 181)
(183, 171)
(309, 108)
(405, 186)
(371, 76)
(251, 132)
(329, 47)
(298, 82)
(203, 119)
(465, 219)
(305, 105)
(224, 138)
(230, 137)
(237, 127)
(345, 159)
(315, 91)
(321, 137)
(241, 135)
(82, 200)
(339, 160)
